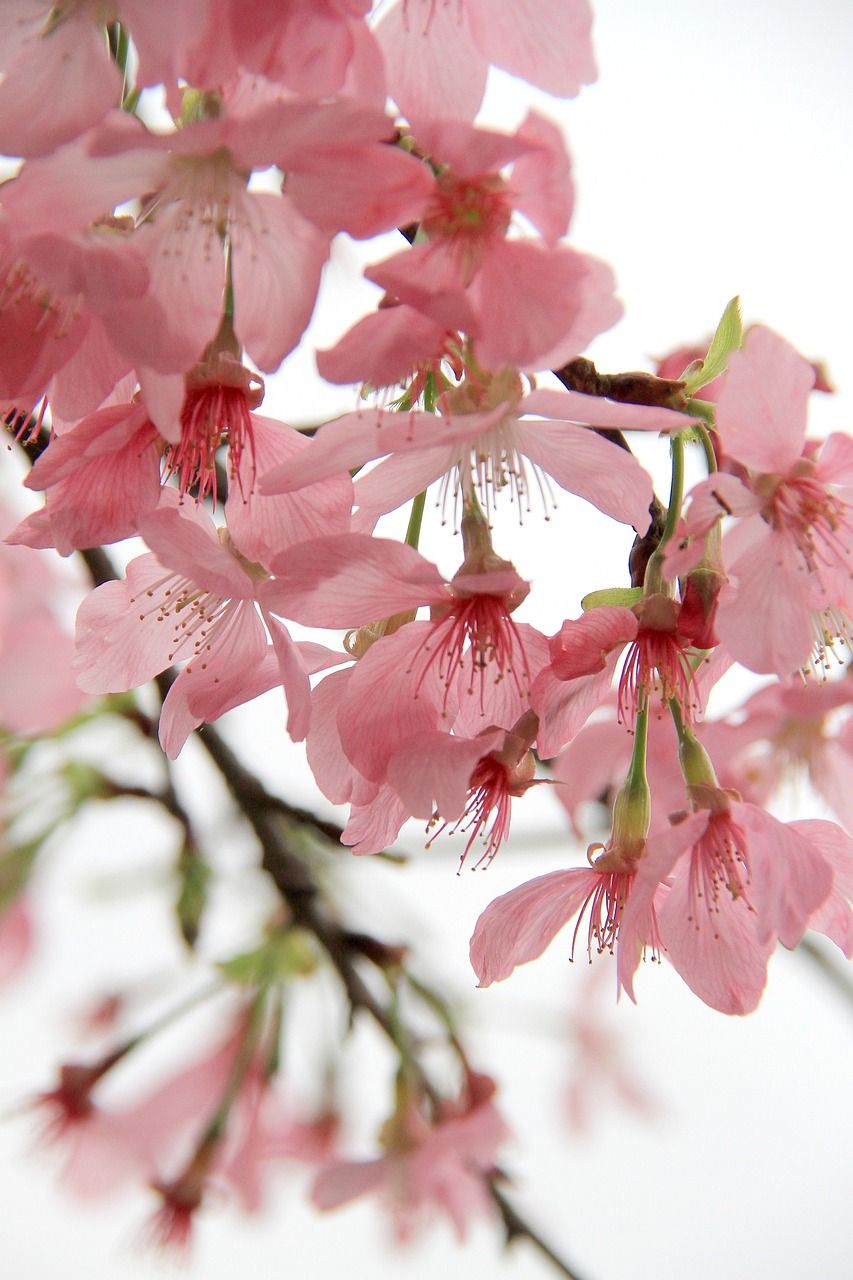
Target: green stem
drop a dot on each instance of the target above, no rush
(708, 446)
(654, 579)
(413, 532)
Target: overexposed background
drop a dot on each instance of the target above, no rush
(712, 157)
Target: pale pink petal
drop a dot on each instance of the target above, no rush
(294, 679)
(546, 42)
(763, 403)
(70, 66)
(564, 706)
(834, 918)
(502, 697)
(373, 827)
(541, 179)
(277, 258)
(518, 926)
(431, 67)
(717, 952)
(116, 649)
(596, 411)
(380, 710)
(362, 190)
(597, 309)
(789, 876)
(583, 645)
(544, 286)
(765, 619)
(383, 348)
(430, 771)
(588, 767)
(587, 465)
(350, 579)
(38, 691)
(835, 461)
(397, 479)
(240, 667)
(357, 438)
(638, 926)
(102, 477)
(184, 538)
(163, 396)
(262, 525)
(332, 770)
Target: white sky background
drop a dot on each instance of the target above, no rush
(712, 157)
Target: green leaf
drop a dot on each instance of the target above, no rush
(613, 596)
(727, 339)
(282, 956)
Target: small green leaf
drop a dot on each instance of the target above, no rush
(282, 956)
(727, 339)
(613, 596)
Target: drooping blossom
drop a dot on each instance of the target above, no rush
(521, 924)
(789, 555)
(441, 1164)
(583, 658)
(482, 443)
(195, 598)
(353, 581)
(743, 880)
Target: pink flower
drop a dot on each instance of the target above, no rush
(517, 927)
(483, 443)
(789, 556)
(742, 881)
(195, 599)
(443, 1164)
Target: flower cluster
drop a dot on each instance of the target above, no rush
(158, 268)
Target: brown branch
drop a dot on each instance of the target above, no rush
(269, 817)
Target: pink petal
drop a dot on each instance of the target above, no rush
(382, 349)
(262, 525)
(374, 827)
(765, 619)
(294, 679)
(583, 646)
(380, 710)
(231, 672)
(790, 879)
(431, 67)
(356, 438)
(184, 538)
(276, 263)
(430, 771)
(518, 926)
(70, 66)
(350, 579)
(762, 405)
(542, 179)
(716, 952)
(546, 42)
(834, 918)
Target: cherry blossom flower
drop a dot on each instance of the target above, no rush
(517, 927)
(441, 1165)
(788, 558)
(194, 598)
(743, 880)
(483, 442)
